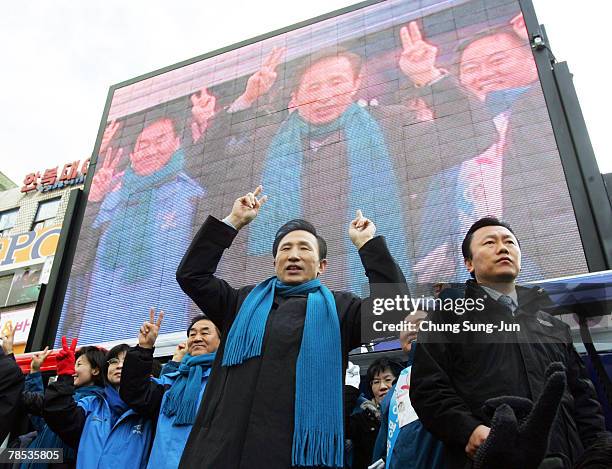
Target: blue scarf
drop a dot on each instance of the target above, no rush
(373, 186)
(182, 398)
(137, 199)
(318, 431)
(117, 406)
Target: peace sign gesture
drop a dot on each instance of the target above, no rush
(38, 359)
(246, 208)
(418, 58)
(150, 330)
(102, 179)
(110, 131)
(65, 358)
(202, 110)
(262, 80)
(8, 337)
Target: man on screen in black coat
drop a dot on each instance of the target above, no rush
(279, 404)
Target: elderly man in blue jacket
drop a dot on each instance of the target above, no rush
(174, 398)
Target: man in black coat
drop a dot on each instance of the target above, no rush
(457, 370)
(248, 413)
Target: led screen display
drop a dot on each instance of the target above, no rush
(425, 115)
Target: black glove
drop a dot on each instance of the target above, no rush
(520, 429)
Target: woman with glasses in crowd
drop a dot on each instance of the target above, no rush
(107, 433)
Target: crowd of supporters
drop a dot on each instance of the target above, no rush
(457, 402)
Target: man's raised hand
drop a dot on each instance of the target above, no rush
(150, 330)
(246, 208)
(202, 110)
(8, 338)
(110, 131)
(179, 352)
(103, 178)
(418, 58)
(361, 230)
(262, 80)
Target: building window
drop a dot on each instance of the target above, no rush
(46, 213)
(7, 220)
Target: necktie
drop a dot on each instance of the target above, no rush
(507, 302)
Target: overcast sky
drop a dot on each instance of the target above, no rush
(59, 58)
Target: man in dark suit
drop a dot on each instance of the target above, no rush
(457, 371)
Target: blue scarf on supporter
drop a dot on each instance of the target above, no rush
(318, 428)
(137, 197)
(116, 404)
(373, 186)
(182, 398)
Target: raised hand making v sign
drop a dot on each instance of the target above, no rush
(261, 81)
(202, 110)
(65, 358)
(418, 57)
(102, 180)
(150, 330)
(246, 208)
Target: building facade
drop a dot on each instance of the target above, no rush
(31, 217)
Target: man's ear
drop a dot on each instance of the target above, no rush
(322, 266)
(469, 265)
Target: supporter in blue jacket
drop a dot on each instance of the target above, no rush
(173, 399)
(88, 381)
(402, 440)
(107, 433)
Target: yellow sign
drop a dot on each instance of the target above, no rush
(29, 246)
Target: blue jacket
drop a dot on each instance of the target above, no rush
(88, 426)
(107, 446)
(414, 447)
(170, 440)
(46, 438)
(147, 396)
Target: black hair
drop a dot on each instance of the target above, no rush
(96, 359)
(354, 60)
(202, 317)
(486, 33)
(295, 225)
(379, 366)
(466, 249)
(114, 353)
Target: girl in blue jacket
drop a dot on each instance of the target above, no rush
(107, 433)
(174, 399)
(88, 381)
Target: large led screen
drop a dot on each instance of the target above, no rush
(425, 115)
